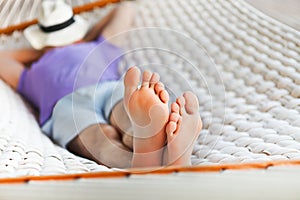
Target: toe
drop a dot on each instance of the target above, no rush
(174, 117)
(154, 79)
(158, 87)
(146, 78)
(175, 107)
(131, 81)
(191, 103)
(181, 102)
(171, 128)
(164, 96)
(132, 77)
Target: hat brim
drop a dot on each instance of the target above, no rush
(39, 39)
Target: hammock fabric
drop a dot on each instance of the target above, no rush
(243, 65)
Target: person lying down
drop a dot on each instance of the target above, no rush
(118, 122)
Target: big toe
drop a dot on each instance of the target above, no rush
(131, 81)
(132, 77)
(191, 103)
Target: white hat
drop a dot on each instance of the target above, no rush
(57, 26)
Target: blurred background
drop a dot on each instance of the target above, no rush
(287, 11)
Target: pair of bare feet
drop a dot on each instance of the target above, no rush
(160, 137)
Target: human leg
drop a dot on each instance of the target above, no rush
(10, 71)
(12, 63)
(121, 21)
(101, 143)
(145, 110)
(80, 124)
(120, 120)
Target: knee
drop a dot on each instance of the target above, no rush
(128, 141)
(109, 131)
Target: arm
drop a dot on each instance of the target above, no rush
(121, 22)
(12, 63)
(98, 27)
(118, 20)
(24, 56)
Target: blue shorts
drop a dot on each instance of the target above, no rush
(85, 107)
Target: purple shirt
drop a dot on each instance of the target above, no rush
(62, 70)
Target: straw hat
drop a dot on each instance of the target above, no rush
(57, 26)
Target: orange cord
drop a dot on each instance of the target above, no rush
(141, 171)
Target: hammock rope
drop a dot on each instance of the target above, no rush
(255, 125)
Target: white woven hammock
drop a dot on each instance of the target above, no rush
(247, 80)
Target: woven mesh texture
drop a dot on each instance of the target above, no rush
(255, 60)
(243, 66)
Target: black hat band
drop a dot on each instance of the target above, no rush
(57, 27)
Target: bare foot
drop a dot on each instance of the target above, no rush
(147, 108)
(182, 129)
